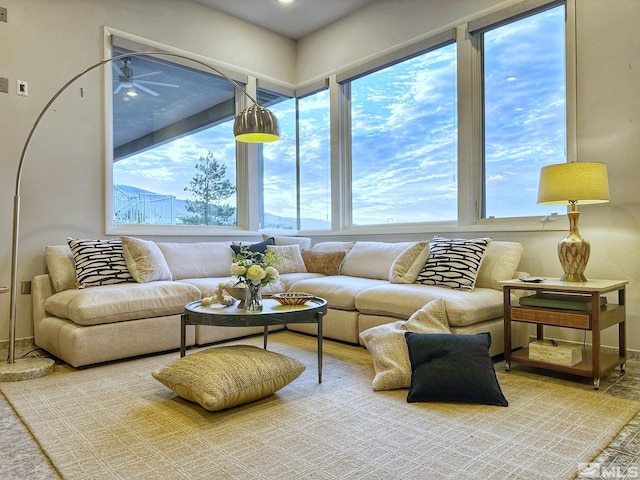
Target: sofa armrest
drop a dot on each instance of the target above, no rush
(41, 289)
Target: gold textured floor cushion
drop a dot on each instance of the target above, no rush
(224, 377)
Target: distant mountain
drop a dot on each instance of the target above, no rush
(288, 223)
(270, 221)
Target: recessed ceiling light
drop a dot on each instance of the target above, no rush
(285, 1)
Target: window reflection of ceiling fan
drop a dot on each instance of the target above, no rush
(127, 80)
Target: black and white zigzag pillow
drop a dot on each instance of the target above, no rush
(454, 263)
(99, 262)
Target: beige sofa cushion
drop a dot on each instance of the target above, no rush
(500, 262)
(303, 242)
(339, 291)
(333, 247)
(208, 286)
(288, 279)
(372, 259)
(120, 302)
(198, 259)
(400, 301)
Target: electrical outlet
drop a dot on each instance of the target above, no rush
(3, 14)
(22, 88)
(4, 85)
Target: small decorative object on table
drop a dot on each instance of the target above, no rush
(255, 270)
(292, 299)
(239, 293)
(561, 353)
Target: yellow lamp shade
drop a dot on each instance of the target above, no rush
(573, 183)
(582, 182)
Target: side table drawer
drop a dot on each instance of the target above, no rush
(551, 317)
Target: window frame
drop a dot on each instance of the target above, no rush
(469, 41)
(297, 94)
(470, 128)
(344, 83)
(470, 141)
(243, 151)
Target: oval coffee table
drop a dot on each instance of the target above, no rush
(272, 314)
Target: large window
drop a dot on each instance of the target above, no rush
(315, 161)
(279, 185)
(174, 155)
(524, 110)
(294, 177)
(399, 156)
(404, 141)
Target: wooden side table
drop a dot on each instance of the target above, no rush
(595, 363)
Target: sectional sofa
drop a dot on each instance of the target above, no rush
(83, 319)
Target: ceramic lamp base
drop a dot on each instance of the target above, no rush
(573, 252)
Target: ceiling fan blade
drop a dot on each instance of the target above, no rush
(135, 77)
(117, 90)
(145, 89)
(117, 69)
(160, 84)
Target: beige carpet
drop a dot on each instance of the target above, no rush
(116, 421)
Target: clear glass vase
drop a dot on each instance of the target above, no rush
(253, 298)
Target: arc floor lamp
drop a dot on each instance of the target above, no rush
(254, 124)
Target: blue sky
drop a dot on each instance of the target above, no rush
(404, 143)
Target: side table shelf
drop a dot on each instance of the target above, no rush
(595, 363)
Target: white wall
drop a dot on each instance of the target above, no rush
(46, 42)
(63, 191)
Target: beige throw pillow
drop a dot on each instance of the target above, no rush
(372, 259)
(388, 347)
(407, 266)
(289, 258)
(224, 377)
(61, 267)
(144, 260)
(500, 263)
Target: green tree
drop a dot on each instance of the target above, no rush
(209, 188)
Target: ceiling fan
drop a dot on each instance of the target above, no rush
(127, 80)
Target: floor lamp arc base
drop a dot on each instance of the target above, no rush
(26, 369)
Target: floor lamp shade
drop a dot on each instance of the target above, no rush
(254, 124)
(573, 183)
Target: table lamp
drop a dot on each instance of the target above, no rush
(254, 124)
(573, 183)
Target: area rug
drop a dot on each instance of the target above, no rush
(117, 422)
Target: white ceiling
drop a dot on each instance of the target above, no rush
(294, 20)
